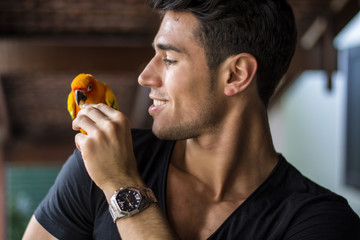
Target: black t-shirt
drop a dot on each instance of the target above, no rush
(286, 206)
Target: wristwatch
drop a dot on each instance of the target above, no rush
(129, 201)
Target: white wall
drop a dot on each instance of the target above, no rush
(308, 127)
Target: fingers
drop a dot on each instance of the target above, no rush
(83, 122)
(104, 116)
(105, 109)
(79, 140)
(87, 118)
(97, 118)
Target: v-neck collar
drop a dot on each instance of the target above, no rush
(163, 184)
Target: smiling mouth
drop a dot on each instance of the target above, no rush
(158, 102)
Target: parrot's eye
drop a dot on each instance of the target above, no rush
(89, 87)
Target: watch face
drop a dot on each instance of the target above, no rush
(128, 200)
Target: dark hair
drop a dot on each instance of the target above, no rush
(264, 28)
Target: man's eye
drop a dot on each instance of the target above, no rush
(168, 61)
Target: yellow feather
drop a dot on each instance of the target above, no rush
(71, 105)
(110, 98)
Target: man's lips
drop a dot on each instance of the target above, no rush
(156, 106)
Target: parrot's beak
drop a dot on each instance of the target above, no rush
(80, 97)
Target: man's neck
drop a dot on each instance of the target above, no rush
(231, 161)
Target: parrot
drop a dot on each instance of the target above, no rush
(86, 89)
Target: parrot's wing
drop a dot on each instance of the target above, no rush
(110, 98)
(71, 105)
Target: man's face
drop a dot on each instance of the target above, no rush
(184, 105)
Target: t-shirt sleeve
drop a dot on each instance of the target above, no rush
(65, 211)
(331, 220)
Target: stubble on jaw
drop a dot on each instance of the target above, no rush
(206, 119)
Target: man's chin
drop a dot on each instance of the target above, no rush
(161, 134)
(172, 133)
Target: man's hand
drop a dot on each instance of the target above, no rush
(107, 148)
(109, 159)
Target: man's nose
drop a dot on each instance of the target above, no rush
(150, 76)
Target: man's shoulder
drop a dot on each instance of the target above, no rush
(296, 182)
(301, 190)
(314, 207)
(322, 214)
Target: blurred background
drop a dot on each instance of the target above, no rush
(44, 44)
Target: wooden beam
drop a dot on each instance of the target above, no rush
(343, 17)
(20, 55)
(329, 53)
(323, 55)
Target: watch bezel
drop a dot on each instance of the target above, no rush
(146, 198)
(120, 198)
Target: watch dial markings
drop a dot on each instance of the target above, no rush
(128, 200)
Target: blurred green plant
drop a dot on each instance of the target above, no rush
(25, 188)
(18, 214)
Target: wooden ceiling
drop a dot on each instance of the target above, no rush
(131, 17)
(46, 43)
(76, 17)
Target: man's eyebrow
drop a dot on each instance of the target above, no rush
(167, 47)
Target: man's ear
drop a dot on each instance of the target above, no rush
(242, 72)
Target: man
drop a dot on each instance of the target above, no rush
(215, 174)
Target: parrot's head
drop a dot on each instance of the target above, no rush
(82, 87)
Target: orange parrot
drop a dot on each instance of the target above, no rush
(86, 89)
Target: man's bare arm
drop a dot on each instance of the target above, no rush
(35, 231)
(149, 224)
